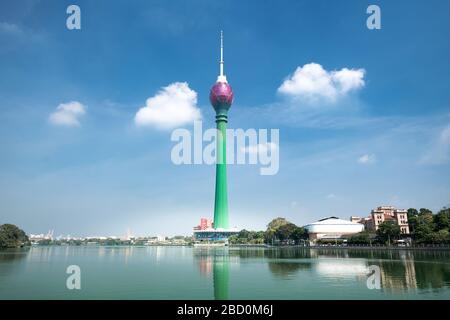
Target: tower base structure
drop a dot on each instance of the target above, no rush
(213, 237)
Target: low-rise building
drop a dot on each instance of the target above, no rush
(332, 228)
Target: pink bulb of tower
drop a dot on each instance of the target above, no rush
(221, 95)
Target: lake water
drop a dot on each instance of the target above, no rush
(222, 273)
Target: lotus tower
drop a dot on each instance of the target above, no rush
(221, 98)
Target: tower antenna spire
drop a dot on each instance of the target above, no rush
(221, 52)
(222, 77)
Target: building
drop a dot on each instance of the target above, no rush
(332, 228)
(357, 219)
(382, 214)
(221, 98)
(205, 223)
(40, 237)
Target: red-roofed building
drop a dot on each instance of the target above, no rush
(385, 213)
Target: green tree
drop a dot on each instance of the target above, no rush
(388, 231)
(233, 239)
(285, 231)
(412, 212)
(269, 236)
(243, 234)
(441, 236)
(364, 237)
(299, 233)
(424, 229)
(281, 229)
(276, 223)
(271, 233)
(442, 219)
(247, 237)
(258, 237)
(11, 236)
(423, 212)
(412, 218)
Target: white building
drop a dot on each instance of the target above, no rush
(40, 237)
(332, 228)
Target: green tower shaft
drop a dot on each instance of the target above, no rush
(221, 196)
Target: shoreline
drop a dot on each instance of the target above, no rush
(262, 246)
(445, 248)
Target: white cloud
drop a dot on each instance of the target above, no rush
(313, 83)
(331, 196)
(172, 106)
(440, 151)
(14, 34)
(260, 148)
(68, 114)
(10, 28)
(367, 159)
(445, 136)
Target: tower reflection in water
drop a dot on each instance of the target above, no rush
(217, 262)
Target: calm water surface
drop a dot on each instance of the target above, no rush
(222, 273)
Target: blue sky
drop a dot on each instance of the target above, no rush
(386, 140)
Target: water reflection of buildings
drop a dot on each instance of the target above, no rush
(396, 273)
(399, 276)
(341, 268)
(401, 271)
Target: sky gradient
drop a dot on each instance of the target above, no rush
(379, 135)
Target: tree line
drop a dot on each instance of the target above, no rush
(427, 227)
(12, 237)
(279, 230)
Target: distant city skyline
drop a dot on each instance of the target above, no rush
(86, 115)
(128, 234)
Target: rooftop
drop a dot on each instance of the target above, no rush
(333, 220)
